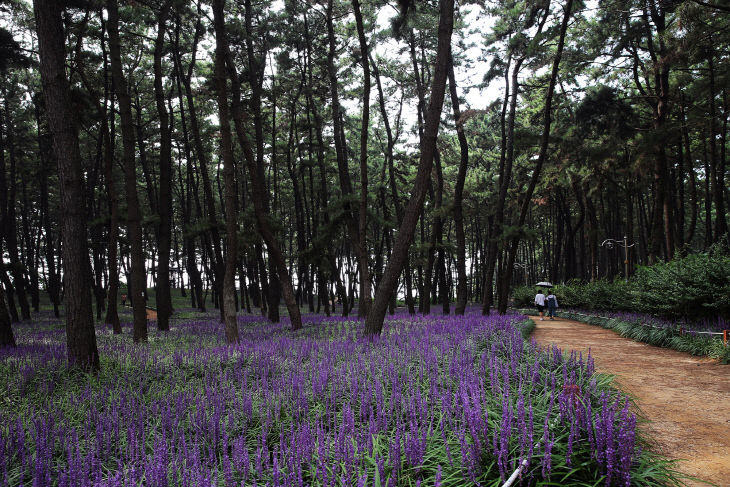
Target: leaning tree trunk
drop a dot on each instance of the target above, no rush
(138, 281)
(374, 321)
(80, 337)
(226, 146)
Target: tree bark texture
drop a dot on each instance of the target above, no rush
(226, 147)
(80, 336)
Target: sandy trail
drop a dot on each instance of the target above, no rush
(686, 399)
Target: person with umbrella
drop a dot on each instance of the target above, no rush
(540, 301)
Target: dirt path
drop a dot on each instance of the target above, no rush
(687, 399)
(151, 315)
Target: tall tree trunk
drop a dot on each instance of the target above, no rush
(662, 223)
(195, 279)
(260, 200)
(716, 172)
(542, 155)
(10, 223)
(374, 321)
(45, 145)
(229, 285)
(351, 214)
(3, 219)
(212, 241)
(708, 196)
(138, 281)
(164, 300)
(363, 251)
(692, 179)
(256, 66)
(393, 185)
(461, 289)
(112, 316)
(80, 336)
(505, 176)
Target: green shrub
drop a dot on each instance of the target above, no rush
(696, 286)
(524, 296)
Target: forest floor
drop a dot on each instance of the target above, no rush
(684, 397)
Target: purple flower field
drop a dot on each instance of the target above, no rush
(435, 401)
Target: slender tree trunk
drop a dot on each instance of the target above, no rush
(212, 241)
(80, 336)
(31, 263)
(542, 155)
(461, 288)
(363, 251)
(138, 279)
(708, 196)
(46, 155)
(3, 219)
(164, 300)
(374, 321)
(505, 176)
(112, 316)
(226, 147)
(692, 179)
(260, 199)
(393, 185)
(10, 224)
(351, 214)
(716, 172)
(195, 279)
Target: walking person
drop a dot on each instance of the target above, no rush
(540, 303)
(552, 305)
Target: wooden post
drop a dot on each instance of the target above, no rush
(725, 334)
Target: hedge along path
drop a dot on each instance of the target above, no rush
(685, 398)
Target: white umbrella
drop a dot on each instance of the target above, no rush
(544, 284)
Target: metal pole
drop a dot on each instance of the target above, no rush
(626, 258)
